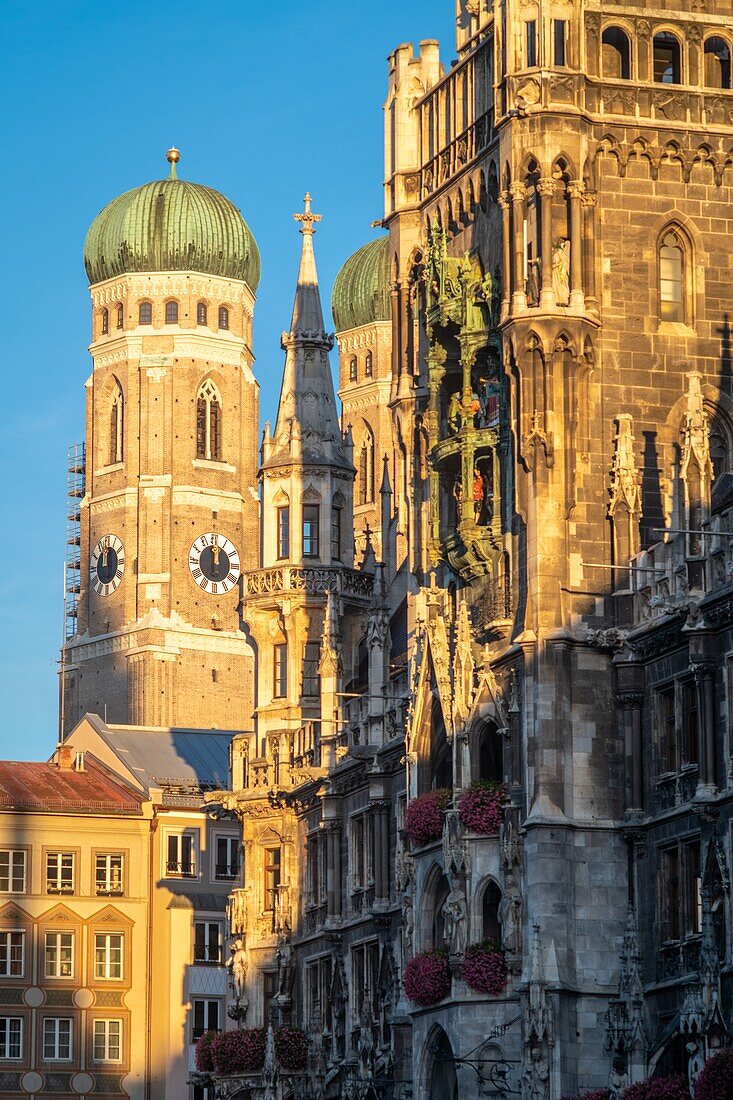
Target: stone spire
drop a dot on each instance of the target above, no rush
(307, 428)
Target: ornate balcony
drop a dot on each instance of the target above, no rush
(310, 580)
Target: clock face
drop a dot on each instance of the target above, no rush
(214, 563)
(107, 566)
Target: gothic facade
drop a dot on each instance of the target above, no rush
(501, 571)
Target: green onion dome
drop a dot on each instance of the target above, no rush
(361, 290)
(171, 225)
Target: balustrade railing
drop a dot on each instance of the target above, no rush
(309, 579)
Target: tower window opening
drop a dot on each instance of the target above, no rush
(671, 278)
(353, 370)
(335, 534)
(311, 685)
(560, 39)
(116, 426)
(105, 322)
(145, 313)
(223, 317)
(208, 422)
(368, 365)
(280, 665)
(667, 59)
(283, 531)
(273, 868)
(311, 540)
(120, 316)
(171, 313)
(201, 313)
(366, 468)
(531, 43)
(717, 64)
(616, 54)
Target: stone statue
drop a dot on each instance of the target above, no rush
(492, 289)
(237, 964)
(510, 915)
(534, 277)
(479, 492)
(454, 413)
(408, 928)
(561, 271)
(454, 858)
(455, 914)
(696, 1055)
(536, 1077)
(284, 955)
(237, 912)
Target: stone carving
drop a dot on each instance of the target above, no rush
(510, 916)
(237, 912)
(408, 928)
(455, 916)
(237, 966)
(455, 853)
(536, 1076)
(561, 271)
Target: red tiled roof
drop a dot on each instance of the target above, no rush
(41, 786)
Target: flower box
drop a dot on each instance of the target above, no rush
(427, 978)
(658, 1088)
(291, 1048)
(239, 1051)
(202, 1053)
(481, 807)
(484, 968)
(424, 817)
(716, 1078)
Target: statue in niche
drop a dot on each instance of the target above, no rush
(510, 915)
(408, 928)
(561, 271)
(479, 494)
(284, 956)
(237, 965)
(492, 289)
(458, 495)
(488, 403)
(696, 1060)
(534, 280)
(536, 1076)
(455, 410)
(455, 915)
(474, 304)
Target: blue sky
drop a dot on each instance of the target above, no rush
(264, 101)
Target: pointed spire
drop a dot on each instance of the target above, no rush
(307, 313)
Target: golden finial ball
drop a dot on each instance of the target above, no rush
(173, 155)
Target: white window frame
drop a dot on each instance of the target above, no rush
(178, 835)
(206, 1001)
(64, 862)
(208, 924)
(55, 972)
(5, 1054)
(8, 876)
(56, 1039)
(6, 935)
(102, 1032)
(233, 842)
(103, 968)
(106, 887)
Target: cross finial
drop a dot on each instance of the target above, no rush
(307, 218)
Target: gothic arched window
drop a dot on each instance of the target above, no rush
(171, 312)
(366, 467)
(671, 277)
(105, 322)
(667, 59)
(352, 369)
(208, 422)
(490, 905)
(116, 426)
(120, 316)
(145, 313)
(717, 63)
(201, 313)
(368, 365)
(223, 317)
(616, 54)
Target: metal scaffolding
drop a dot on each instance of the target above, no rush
(75, 489)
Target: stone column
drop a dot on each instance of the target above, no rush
(506, 251)
(546, 190)
(631, 703)
(577, 298)
(519, 196)
(333, 870)
(589, 201)
(704, 672)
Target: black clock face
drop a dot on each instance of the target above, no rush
(107, 565)
(214, 563)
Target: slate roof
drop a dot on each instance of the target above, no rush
(45, 786)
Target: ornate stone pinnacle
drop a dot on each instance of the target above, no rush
(307, 218)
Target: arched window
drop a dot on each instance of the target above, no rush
(438, 922)
(105, 322)
(352, 369)
(208, 422)
(442, 1080)
(667, 59)
(366, 468)
(490, 907)
(717, 63)
(223, 317)
(490, 756)
(120, 316)
(116, 425)
(171, 312)
(201, 313)
(368, 365)
(671, 278)
(145, 313)
(616, 54)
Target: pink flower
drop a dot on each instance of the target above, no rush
(484, 969)
(239, 1051)
(716, 1079)
(204, 1063)
(594, 1094)
(424, 817)
(482, 807)
(291, 1048)
(427, 978)
(659, 1088)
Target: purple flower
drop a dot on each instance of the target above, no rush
(424, 817)
(658, 1088)
(484, 968)
(716, 1079)
(291, 1048)
(204, 1062)
(482, 807)
(239, 1051)
(427, 978)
